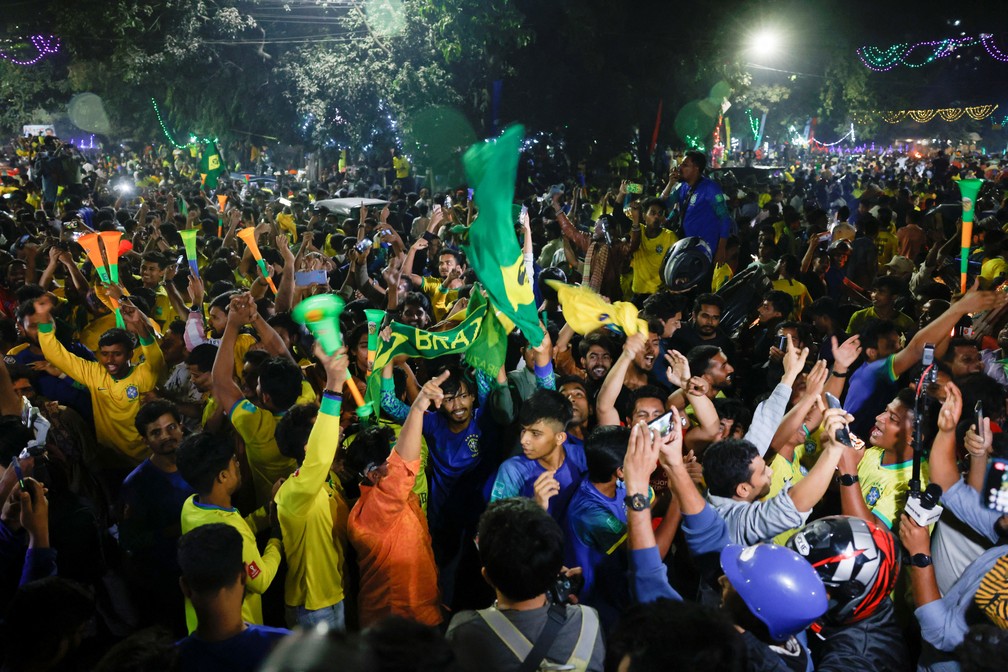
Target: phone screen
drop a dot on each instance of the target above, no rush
(663, 424)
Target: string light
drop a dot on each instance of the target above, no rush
(884, 60)
(44, 44)
(849, 134)
(194, 140)
(987, 40)
(753, 124)
(975, 112)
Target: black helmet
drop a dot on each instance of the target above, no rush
(857, 560)
(686, 264)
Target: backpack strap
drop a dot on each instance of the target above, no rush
(581, 655)
(529, 655)
(506, 631)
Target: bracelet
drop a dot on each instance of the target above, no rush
(333, 395)
(834, 373)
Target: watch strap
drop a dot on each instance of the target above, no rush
(848, 479)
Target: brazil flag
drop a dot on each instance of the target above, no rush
(211, 165)
(493, 252)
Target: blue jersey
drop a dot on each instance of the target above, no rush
(517, 476)
(450, 456)
(595, 529)
(872, 386)
(706, 213)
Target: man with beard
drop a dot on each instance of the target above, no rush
(576, 392)
(151, 502)
(591, 362)
(704, 328)
(631, 372)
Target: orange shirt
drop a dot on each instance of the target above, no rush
(388, 529)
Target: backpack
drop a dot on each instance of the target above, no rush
(521, 647)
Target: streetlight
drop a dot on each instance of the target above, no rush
(765, 42)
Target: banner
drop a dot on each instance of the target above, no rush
(210, 166)
(479, 336)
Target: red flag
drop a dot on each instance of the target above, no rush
(657, 125)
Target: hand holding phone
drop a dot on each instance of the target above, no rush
(842, 435)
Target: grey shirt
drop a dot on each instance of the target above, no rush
(478, 649)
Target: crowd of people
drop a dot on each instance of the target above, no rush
(782, 471)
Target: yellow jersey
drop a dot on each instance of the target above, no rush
(311, 507)
(441, 298)
(647, 260)
(885, 486)
(115, 401)
(259, 569)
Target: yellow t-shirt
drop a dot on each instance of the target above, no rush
(993, 268)
(441, 299)
(259, 568)
(402, 167)
(797, 291)
(310, 505)
(885, 486)
(257, 426)
(887, 245)
(647, 260)
(163, 311)
(722, 274)
(787, 473)
(115, 401)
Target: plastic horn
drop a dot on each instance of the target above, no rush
(968, 189)
(92, 245)
(375, 318)
(189, 240)
(110, 240)
(221, 201)
(248, 235)
(321, 314)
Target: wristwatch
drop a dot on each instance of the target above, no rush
(920, 560)
(848, 479)
(637, 502)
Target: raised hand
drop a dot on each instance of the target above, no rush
(431, 392)
(844, 355)
(951, 409)
(678, 371)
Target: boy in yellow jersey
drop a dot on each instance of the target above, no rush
(648, 246)
(115, 385)
(311, 507)
(279, 386)
(210, 466)
(152, 274)
(875, 482)
(442, 291)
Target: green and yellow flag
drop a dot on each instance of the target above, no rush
(211, 165)
(479, 336)
(493, 251)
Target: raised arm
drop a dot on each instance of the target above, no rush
(225, 390)
(942, 461)
(783, 441)
(807, 492)
(973, 301)
(285, 292)
(408, 445)
(605, 404)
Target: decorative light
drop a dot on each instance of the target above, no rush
(193, 138)
(753, 124)
(44, 44)
(849, 134)
(883, 60)
(976, 112)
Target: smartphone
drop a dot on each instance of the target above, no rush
(524, 211)
(470, 194)
(782, 343)
(363, 245)
(663, 424)
(634, 188)
(995, 488)
(843, 434)
(447, 201)
(978, 409)
(437, 207)
(307, 278)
